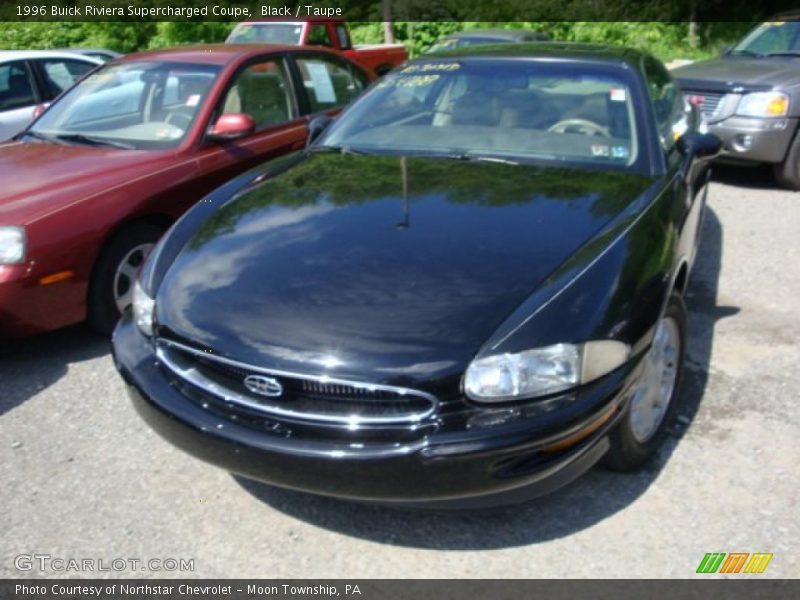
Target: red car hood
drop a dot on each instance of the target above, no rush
(39, 178)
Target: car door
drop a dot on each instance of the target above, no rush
(673, 119)
(18, 96)
(57, 74)
(327, 83)
(263, 89)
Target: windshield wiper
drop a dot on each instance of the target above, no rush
(92, 141)
(466, 156)
(38, 136)
(787, 53)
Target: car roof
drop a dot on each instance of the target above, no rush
(218, 54)
(86, 51)
(510, 34)
(534, 50)
(7, 55)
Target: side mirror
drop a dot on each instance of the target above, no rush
(39, 109)
(231, 126)
(699, 145)
(316, 127)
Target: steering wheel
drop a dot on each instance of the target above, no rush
(584, 126)
(179, 119)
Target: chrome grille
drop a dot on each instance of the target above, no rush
(304, 397)
(708, 102)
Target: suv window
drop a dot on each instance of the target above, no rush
(16, 90)
(667, 100)
(318, 36)
(344, 38)
(329, 83)
(59, 73)
(261, 91)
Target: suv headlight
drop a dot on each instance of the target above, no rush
(763, 104)
(12, 245)
(541, 371)
(143, 307)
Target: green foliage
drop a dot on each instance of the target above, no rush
(178, 34)
(664, 39)
(22, 36)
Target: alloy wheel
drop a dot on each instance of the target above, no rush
(660, 372)
(126, 274)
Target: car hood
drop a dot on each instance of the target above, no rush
(380, 268)
(39, 177)
(729, 73)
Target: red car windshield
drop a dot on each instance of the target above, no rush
(136, 105)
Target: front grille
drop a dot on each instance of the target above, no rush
(709, 103)
(303, 397)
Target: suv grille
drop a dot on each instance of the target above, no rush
(708, 102)
(295, 396)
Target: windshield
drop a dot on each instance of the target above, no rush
(780, 37)
(266, 33)
(494, 109)
(136, 105)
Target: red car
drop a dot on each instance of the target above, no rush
(93, 183)
(331, 33)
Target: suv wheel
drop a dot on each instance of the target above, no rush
(787, 173)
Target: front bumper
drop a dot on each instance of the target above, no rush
(446, 468)
(748, 139)
(27, 307)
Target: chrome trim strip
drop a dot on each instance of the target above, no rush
(193, 376)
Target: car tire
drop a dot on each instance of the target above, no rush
(787, 173)
(115, 273)
(651, 409)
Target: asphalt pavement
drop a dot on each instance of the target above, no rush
(82, 477)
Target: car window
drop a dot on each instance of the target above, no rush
(143, 104)
(344, 37)
(318, 36)
(667, 101)
(59, 74)
(16, 90)
(769, 38)
(501, 109)
(266, 33)
(261, 90)
(329, 83)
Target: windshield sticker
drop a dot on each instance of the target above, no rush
(430, 67)
(618, 95)
(321, 80)
(600, 150)
(619, 152)
(410, 82)
(193, 100)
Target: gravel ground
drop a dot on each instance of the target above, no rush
(83, 477)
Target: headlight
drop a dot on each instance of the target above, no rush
(12, 245)
(763, 104)
(143, 306)
(541, 371)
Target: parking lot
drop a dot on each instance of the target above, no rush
(84, 477)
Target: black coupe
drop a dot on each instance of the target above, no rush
(465, 292)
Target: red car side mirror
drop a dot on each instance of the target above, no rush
(231, 126)
(39, 109)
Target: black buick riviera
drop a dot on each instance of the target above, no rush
(465, 292)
